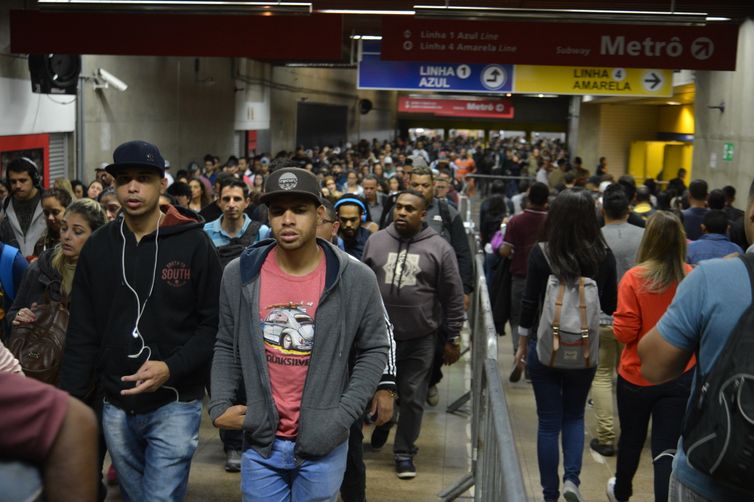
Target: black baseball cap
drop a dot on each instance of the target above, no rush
(137, 154)
(291, 181)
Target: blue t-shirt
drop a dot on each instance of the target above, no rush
(692, 221)
(710, 246)
(706, 308)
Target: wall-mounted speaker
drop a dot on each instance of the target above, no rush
(365, 106)
(54, 73)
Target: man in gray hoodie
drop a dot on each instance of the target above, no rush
(420, 284)
(278, 301)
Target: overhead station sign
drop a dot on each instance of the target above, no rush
(593, 81)
(473, 108)
(711, 47)
(430, 76)
(375, 73)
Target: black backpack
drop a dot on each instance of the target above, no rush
(235, 247)
(718, 430)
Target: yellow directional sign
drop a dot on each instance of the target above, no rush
(593, 81)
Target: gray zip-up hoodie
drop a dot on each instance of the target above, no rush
(419, 281)
(349, 318)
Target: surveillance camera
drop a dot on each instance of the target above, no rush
(112, 79)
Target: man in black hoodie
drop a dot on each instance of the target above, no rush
(144, 309)
(420, 284)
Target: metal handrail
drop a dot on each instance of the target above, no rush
(495, 469)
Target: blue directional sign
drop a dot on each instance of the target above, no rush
(375, 73)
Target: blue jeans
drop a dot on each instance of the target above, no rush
(561, 399)
(152, 451)
(283, 478)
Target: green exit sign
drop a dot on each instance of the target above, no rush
(727, 151)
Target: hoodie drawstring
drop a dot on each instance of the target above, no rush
(395, 267)
(403, 266)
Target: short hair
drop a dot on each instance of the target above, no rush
(716, 199)
(615, 202)
(538, 193)
(643, 194)
(698, 189)
(497, 187)
(329, 209)
(235, 183)
(715, 222)
(63, 196)
(370, 177)
(232, 161)
(629, 186)
(577, 160)
(422, 171)
(179, 189)
(107, 192)
(209, 158)
(730, 192)
(415, 193)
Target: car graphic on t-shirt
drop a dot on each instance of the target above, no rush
(289, 328)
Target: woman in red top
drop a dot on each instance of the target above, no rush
(643, 296)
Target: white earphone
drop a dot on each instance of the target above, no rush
(139, 306)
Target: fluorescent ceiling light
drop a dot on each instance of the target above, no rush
(208, 6)
(367, 12)
(568, 15)
(366, 37)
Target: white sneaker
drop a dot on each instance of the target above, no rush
(610, 490)
(433, 395)
(571, 492)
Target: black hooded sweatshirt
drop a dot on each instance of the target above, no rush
(179, 323)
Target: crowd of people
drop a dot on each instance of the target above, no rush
(314, 292)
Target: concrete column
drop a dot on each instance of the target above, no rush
(574, 110)
(734, 125)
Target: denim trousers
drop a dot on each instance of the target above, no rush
(152, 451)
(561, 398)
(283, 478)
(665, 404)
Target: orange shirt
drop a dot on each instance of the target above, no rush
(638, 311)
(464, 167)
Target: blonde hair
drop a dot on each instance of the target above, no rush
(92, 212)
(662, 252)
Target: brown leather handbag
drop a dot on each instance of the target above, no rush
(38, 345)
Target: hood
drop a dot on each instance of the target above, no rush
(253, 257)
(425, 233)
(178, 219)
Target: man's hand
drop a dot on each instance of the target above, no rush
(451, 352)
(466, 302)
(232, 418)
(149, 378)
(382, 405)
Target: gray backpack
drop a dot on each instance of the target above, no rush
(568, 331)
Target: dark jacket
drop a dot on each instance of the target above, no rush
(41, 283)
(419, 282)
(349, 317)
(179, 322)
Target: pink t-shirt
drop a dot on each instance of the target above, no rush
(287, 306)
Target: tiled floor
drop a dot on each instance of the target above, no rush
(444, 455)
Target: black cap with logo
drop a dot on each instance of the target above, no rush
(291, 181)
(136, 154)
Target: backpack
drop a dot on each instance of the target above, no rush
(7, 286)
(718, 429)
(235, 247)
(568, 331)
